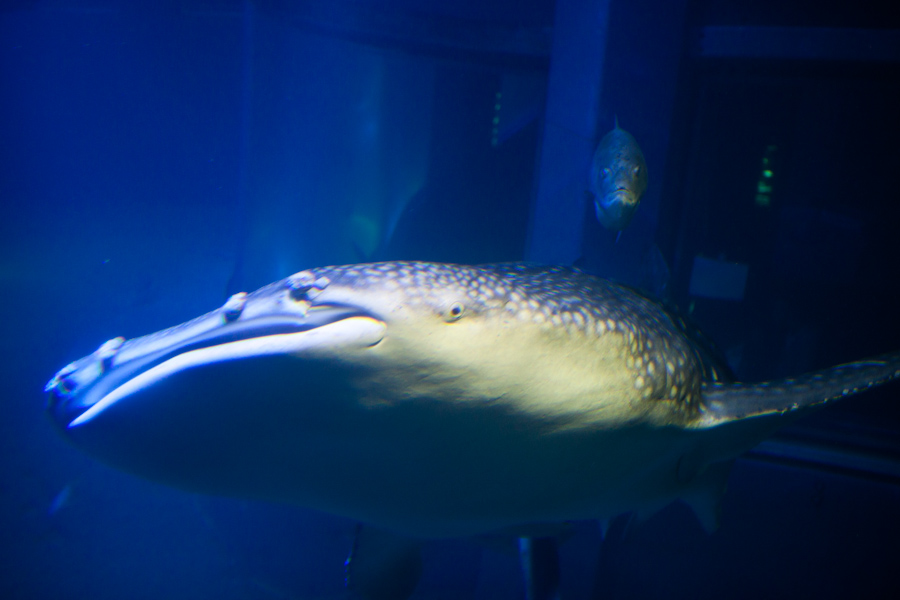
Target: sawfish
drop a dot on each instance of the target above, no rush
(436, 400)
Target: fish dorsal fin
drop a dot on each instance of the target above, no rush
(727, 402)
(616, 121)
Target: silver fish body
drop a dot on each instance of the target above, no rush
(431, 400)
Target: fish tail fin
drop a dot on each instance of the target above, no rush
(723, 402)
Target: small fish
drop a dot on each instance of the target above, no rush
(618, 179)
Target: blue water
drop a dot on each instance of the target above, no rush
(158, 156)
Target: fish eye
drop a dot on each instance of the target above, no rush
(606, 172)
(455, 312)
(637, 170)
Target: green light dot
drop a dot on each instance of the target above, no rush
(496, 120)
(767, 173)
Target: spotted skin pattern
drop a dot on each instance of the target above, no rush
(668, 363)
(666, 360)
(463, 400)
(662, 362)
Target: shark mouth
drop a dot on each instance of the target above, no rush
(278, 320)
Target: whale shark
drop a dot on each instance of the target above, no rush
(436, 400)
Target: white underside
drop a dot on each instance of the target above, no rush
(355, 331)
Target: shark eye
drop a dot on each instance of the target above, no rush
(455, 312)
(606, 172)
(637, 170)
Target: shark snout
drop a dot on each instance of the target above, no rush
(277, 320)
(67, 389)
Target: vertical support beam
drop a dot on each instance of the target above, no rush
(646, 47)
(573, 98)
(609, 57)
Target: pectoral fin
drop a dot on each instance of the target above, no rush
(725, 403)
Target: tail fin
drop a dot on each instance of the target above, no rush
(723, 402)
